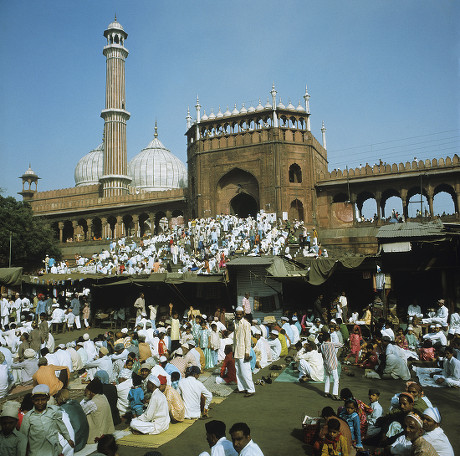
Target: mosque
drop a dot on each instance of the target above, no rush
(253, 158)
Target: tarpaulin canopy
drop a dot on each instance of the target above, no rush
(10, 276)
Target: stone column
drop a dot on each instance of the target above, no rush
(119, 227)
(169, 217)
(403, 194)
(152, 221)
(74, 226)
(89, 233)
(136, 225)
(61, 230)
(104, 231)
(429, 197)
(378, 200)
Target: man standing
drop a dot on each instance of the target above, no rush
(246, 304)
(242, 442)
(75, 306)
(140, 308)
(241, 350)
(344, 306)
(318, 307)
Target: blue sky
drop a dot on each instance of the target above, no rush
(383, 75)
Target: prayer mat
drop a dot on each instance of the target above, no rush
(155, 441)
(77, 384)
(218, 389)
(423, 374)
(289, 375)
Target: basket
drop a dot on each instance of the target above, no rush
(310, 427)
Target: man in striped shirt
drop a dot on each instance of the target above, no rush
(328, 349)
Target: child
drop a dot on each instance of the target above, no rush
(204, 342)
(426, 352)
(370, 358)
(175, 377)
(401, 340)
(44, 417)
(215, 343)
(411, 338)
(228, 369)
(334, 443)
(328, 350)
(162, 349)
(350, 415)
(355, 344)
(70, 319)
(136, 396)
(44, 329)
(377, 412)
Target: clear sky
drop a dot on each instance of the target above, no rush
(383, 75)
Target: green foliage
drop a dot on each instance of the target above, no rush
(31, 237)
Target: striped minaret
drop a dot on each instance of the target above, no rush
(115, 179)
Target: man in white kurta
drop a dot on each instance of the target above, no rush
(434, 433)
(311, 364)
(156, 418)
(241, 351)
(125, 382)
(274, 344)
(191, 389)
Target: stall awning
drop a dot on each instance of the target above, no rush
(10, 277)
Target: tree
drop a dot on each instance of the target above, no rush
(31, 237)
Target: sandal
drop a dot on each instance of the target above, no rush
(327, 395)
(336, 398)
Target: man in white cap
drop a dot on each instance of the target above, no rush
(101, 363)
(63, 357)
(43, 424)
(89, 347)
(12, 442)
(450, 375)
(241, 353)
(442, 314)
(287, 327)
(437, 336)
(23, 371)
(159, 370)
(191, 390)
(434, 434)
(125, 383)
(155, 419)
(274, 344)
(262, 350)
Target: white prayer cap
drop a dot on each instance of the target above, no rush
(153, 379)
(124, 331)
(161, 330)
(256, 321)
(86, 336)
(294, 318)
(285, 318)
(98, 343)
(274, 331)
(239, 309)
(80, 344)
(191, 343)
(432, 326)
(163, 359)
(70, 344)
(61, 346)
(179, 351)
(41, 389)
(410, 328)
(256, 331)
(333, 321)
(125, 373)
(433, 413)
(216, 319)
(55, 305)
(10, 409)
(438, 326)
(29, 353)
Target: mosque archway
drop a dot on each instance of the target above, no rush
(237, 192)
(296, 210)
(244, 205)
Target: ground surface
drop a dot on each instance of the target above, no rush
(276, 411)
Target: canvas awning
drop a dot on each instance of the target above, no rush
(10, 277)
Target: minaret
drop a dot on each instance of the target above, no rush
(115, 178)
(323, 131)
(28, 178)
(188, 119)
(198, 117)
(273, 93)
(307, 107)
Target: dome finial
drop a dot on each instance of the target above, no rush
(115, 17)
(156, 130)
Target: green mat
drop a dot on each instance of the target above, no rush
(289, 375)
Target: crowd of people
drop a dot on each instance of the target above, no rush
(149, 374)
(202, 246)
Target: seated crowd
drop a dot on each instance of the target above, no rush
(202, 246)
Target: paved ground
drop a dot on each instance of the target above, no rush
(275, 413)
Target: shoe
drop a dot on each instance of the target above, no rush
(249, 394)
(336, 398)
(327, 395)
(267, 380)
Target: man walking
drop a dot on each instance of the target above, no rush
(75, 306)
(241, 351)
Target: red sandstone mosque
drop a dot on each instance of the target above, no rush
(253, 158)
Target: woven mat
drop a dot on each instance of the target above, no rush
(218, 389)
(423, 374)
(289, 375)
(155, 441)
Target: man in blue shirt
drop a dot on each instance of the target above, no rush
(75, 306)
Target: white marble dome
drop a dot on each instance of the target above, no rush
(155, 168)
(90, 168)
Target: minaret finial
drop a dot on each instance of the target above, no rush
(156, 130)
(115, 17)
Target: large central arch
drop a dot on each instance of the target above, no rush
(237, 192)
(244, 205)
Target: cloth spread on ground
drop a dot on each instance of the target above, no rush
(423, 374)
(221, 390)
(155, 441)
(289, 375)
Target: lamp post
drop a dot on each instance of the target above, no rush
(9, 261)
